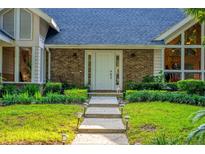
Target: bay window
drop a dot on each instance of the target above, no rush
(184, 56)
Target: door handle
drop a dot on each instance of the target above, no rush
(111, 75)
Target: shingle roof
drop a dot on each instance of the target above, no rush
(111, 26)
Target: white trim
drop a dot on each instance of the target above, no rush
(19, 30)
(47, 18)
(104, 47)
(49, 63)
(6, 39)
(173, 29)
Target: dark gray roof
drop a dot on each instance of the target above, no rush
(111, 26)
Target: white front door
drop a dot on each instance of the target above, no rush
(104, 71)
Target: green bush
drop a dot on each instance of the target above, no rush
(174, 97)
(192, 86)
(23, 98)
(8, 99)
(9, 89)
(54, 98)
(31, 89)
(77, 95)
(151, 86)
(53, 87)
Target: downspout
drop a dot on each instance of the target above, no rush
(49, 63)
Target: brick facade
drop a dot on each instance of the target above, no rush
(137, 63)
(67, 65)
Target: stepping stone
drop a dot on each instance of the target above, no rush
(103, 139)
(103, 112)
(103, 101)
(102, 125)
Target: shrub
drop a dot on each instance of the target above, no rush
(77, 95)
(54, 98)
(31, 89)
(23, 98)
(54, 87)
(154, 78)
(9, 89)
(192, 86)
(163, 140)
(8, 99)
(175, 97)
(151, 86)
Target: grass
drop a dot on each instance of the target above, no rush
(37, 124)
(155, 119)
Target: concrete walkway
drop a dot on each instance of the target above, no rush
(102, 124)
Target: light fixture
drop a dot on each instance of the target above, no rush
(79, 115)
(121, 108)
(85, 107)
(64, 138)
(127, 121)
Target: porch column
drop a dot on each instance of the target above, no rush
(16, 77)
(36, 64)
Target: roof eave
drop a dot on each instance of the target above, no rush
(174, 28)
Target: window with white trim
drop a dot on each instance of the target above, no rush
(25, 24)
(184, 55)
(8, 22)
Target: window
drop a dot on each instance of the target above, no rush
(192, 59)
(117, 70)
(25, 62)
(8, 65)
(172, 59)
(185, 59)
(25, 24)
(193, 35)
(8, 22)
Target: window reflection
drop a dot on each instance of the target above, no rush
(193, 35)
(172, 76)
(25, 64)
(196, 76)
(172, 59)
(192, 59)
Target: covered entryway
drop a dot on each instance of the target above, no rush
(103, 69)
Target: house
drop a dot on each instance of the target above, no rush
(101, 48)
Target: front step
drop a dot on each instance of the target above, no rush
(102, 101)
(101, 139)
(103, 112)
(101, 125)
(114, 94)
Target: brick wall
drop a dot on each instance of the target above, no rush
(137, 64)
(67, 65)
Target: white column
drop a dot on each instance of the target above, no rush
(16, 64)
(1, 62)
(182, 56)
(49, 64)
(36, 64)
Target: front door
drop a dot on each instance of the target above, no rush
(104, 71)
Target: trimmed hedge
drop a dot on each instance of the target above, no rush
(151, 86)
(192, 86)
(174, 97)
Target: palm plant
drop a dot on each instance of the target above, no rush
(197, 13)
(199, 132)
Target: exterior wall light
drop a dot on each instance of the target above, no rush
(64, 138)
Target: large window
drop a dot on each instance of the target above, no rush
(8, 65)
(25, 64)
(8, 22)
(25, 24)
(184, 61)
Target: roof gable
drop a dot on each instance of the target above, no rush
(111, 26)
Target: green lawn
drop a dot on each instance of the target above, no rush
(37, 124)
(149, 120)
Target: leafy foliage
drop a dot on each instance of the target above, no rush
(31, 89)
(77, 95)
(175, 97)
(197, 13)
(163, 140)
(54, 87)
(154, 78)
(192, 86)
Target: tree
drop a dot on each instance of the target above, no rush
(199, 15)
